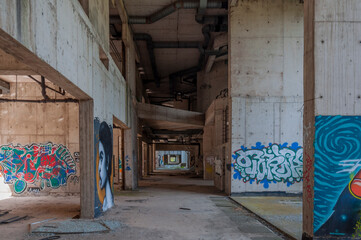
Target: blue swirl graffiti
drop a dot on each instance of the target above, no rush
(337, 139)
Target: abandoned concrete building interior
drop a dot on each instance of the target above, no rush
(180, 119)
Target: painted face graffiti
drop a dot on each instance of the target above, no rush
(104, 166)
(51, 164)
(275, 163)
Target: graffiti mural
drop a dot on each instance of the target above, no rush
(272, 164)
(50, 164)
(103, 138)
(127, 167)
(337, 190)
(120, 166)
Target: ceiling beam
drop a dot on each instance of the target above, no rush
(170, 132)
(169, 9)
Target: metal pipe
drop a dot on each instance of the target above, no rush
(60, 91)
(43, 88)
(146, 37)
(206, 30)
(174, 7)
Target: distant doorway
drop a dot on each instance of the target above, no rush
(172, 160)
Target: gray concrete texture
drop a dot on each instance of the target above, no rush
(165, 207)
(285, 213)
(40, 123)
(265, 81)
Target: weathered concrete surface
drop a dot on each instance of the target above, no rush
(215, 138)
(332, 95)
(39, 124)
(159, 113)
(265, 80)
(285, 213)
(152, 213)
(210, 84)
(37, 209)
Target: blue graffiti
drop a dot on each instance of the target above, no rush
(127, 168)
(265, 165)
(337, 160)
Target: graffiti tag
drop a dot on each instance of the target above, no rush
(49, 163)
(127, 167)
(34, 189)
(275, 163)
(76, 156)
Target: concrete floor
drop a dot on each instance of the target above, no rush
(285, 213)
(165, 207)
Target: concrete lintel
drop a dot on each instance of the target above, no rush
(9, 65)
(22, 54)
(154, 112)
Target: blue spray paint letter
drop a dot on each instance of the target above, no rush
(275, 163)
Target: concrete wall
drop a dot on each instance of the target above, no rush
(182, 160)
(195, 161)
(40, 143)
(215, 142)
(210, 85)
(58, 40)
(266, 97)
(99, 17)
(332, 119)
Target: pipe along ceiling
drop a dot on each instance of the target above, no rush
(219, 23)
(202, 4)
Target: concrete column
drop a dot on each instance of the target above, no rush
(151, 158)
(266, 95)
(86, 140)
(130, 155)
(332, 120)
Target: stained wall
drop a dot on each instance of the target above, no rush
(266, 95)
(39, 144)
(58, 40)
(332, 120)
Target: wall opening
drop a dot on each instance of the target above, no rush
(172, 160)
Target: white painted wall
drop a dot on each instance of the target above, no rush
(266, 79)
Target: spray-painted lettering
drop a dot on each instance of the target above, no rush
(275, 163)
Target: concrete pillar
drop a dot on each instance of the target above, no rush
(332, 120)
(87, 167)
(266, 95)
(151, 158)
(130, 155)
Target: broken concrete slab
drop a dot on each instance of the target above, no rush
(78, 227)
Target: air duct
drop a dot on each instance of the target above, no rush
(174, 7)
(146, 37)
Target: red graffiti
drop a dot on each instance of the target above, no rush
(29, 177)
(307, 178)
(48, 160)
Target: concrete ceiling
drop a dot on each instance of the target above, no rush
(178, 26)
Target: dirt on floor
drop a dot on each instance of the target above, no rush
(164, 207)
